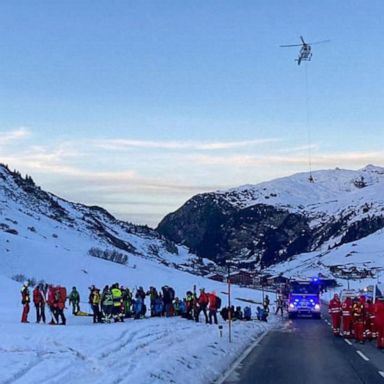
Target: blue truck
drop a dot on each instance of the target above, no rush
(304, 299)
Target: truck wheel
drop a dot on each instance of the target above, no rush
(291, 315)
(316, 316)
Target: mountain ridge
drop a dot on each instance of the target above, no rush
(260, 225)
(32, 214)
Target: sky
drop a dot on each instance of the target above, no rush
(137, 106)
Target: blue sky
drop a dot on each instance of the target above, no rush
(138, 105)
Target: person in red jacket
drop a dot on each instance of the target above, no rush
(358, 318)
(60, 295)
(334, 310)
(39, 301)
(370, 330)
(50, 300)
(346, 308)
(213, 307)
(202, 304)
(25, 300)
(379, 322)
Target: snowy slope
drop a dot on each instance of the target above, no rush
(358, 264)
(331, 191)
(46, 238)
(146, 351)
(335, 195)
(35, 217)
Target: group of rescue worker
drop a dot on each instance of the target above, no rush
(359, 318)
(116, 303)
(43, 294)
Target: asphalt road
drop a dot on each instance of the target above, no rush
(304, 351)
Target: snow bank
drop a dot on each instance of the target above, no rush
(158, 350)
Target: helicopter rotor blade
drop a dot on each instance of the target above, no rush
(320, 42)
(302, 39)
(291, 45)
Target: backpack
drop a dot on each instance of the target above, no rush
(171, 293)
(218, 302)
(95, 298)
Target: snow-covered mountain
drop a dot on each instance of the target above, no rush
(267, 223)
(32, 220)
(361, 261)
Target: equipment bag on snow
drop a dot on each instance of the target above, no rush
(82, 313)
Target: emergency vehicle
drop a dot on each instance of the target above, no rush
(304, 299)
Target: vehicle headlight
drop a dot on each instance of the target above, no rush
(317, 307)
(291, 305)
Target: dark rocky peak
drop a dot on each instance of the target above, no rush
(263, 224)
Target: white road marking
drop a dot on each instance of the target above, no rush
(348, 342)
(361, 354)
(381, 373)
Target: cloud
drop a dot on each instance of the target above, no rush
(125, 144)
(52, 163)
(160, 175)
(8, 136)
(330, 159)
(300, 148)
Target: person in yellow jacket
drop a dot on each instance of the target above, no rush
(94, 300)
(117, 297)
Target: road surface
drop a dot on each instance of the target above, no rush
(304, 351)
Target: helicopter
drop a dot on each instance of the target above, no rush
(305, 53)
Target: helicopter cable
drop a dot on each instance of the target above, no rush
(307, 123)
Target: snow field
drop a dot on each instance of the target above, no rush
(158, 350)
(170, 350)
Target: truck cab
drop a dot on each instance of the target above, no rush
(304, 299)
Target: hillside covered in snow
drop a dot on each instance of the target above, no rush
(33, 221)
(46, 239)
(268, 223)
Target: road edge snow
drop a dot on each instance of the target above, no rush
(224, 376)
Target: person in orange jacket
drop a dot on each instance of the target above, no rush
(25, 300)
(358, 318)
(202, 304)
(335, 311)
(58, 304)
(213, 307)
(379, 322)
(370, 329)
